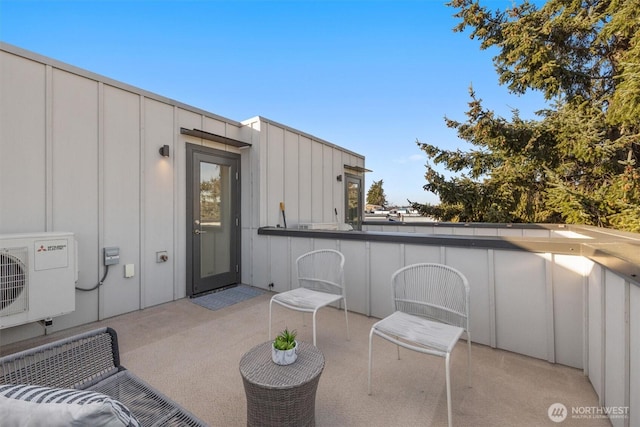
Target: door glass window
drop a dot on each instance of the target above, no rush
(354, 202)
(215, 218)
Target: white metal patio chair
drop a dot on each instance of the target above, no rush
(321, 283)
(431, 303)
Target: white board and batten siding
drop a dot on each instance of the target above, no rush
(613, 333)
(79, 152)
(299, 170)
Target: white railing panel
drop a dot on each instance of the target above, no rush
(299, 246)
(260, 269)
(326, 244)
(356, 277)
(614, 389)
(634, 355)
(474, 264)
(385, 259)
(414, 254)
(568, 308)
(279, 264)
(595, 326)
(521, 303)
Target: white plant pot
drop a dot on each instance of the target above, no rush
(284, 357)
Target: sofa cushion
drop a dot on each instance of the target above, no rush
(30, 405)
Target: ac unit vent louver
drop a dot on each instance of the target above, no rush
(13, 281)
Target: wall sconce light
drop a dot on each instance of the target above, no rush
(339, 178)
(164, 151)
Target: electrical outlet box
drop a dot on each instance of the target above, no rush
(129, 270)
(162, 256)
(111, 256)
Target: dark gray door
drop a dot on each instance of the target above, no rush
(213, 219)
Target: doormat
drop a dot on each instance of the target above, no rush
(227, 297)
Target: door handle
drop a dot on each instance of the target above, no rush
(198, 231)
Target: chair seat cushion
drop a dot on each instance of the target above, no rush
(31, 405)
(305, 298)
(427, 333)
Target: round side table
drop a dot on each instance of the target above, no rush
(281, 395)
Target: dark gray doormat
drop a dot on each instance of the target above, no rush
(227, 297)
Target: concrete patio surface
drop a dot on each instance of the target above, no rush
(191, 354)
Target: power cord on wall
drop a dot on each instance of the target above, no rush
(100, 283)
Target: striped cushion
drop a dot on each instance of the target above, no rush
(30, 405)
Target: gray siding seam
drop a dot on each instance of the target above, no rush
(142, 246)
(48, 148)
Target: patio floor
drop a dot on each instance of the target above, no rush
(191, 354)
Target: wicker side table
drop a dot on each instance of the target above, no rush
(281, 395)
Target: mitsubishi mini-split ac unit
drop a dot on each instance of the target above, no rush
(37, 277)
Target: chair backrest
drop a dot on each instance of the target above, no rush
(434, 291)
(78, 361)
(322, 270)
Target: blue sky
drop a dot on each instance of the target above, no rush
(372, 76)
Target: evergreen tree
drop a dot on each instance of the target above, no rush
(375, 195)
(579, 162)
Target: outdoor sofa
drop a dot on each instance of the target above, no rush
(79, 381)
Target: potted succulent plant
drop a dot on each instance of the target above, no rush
(284, 350)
